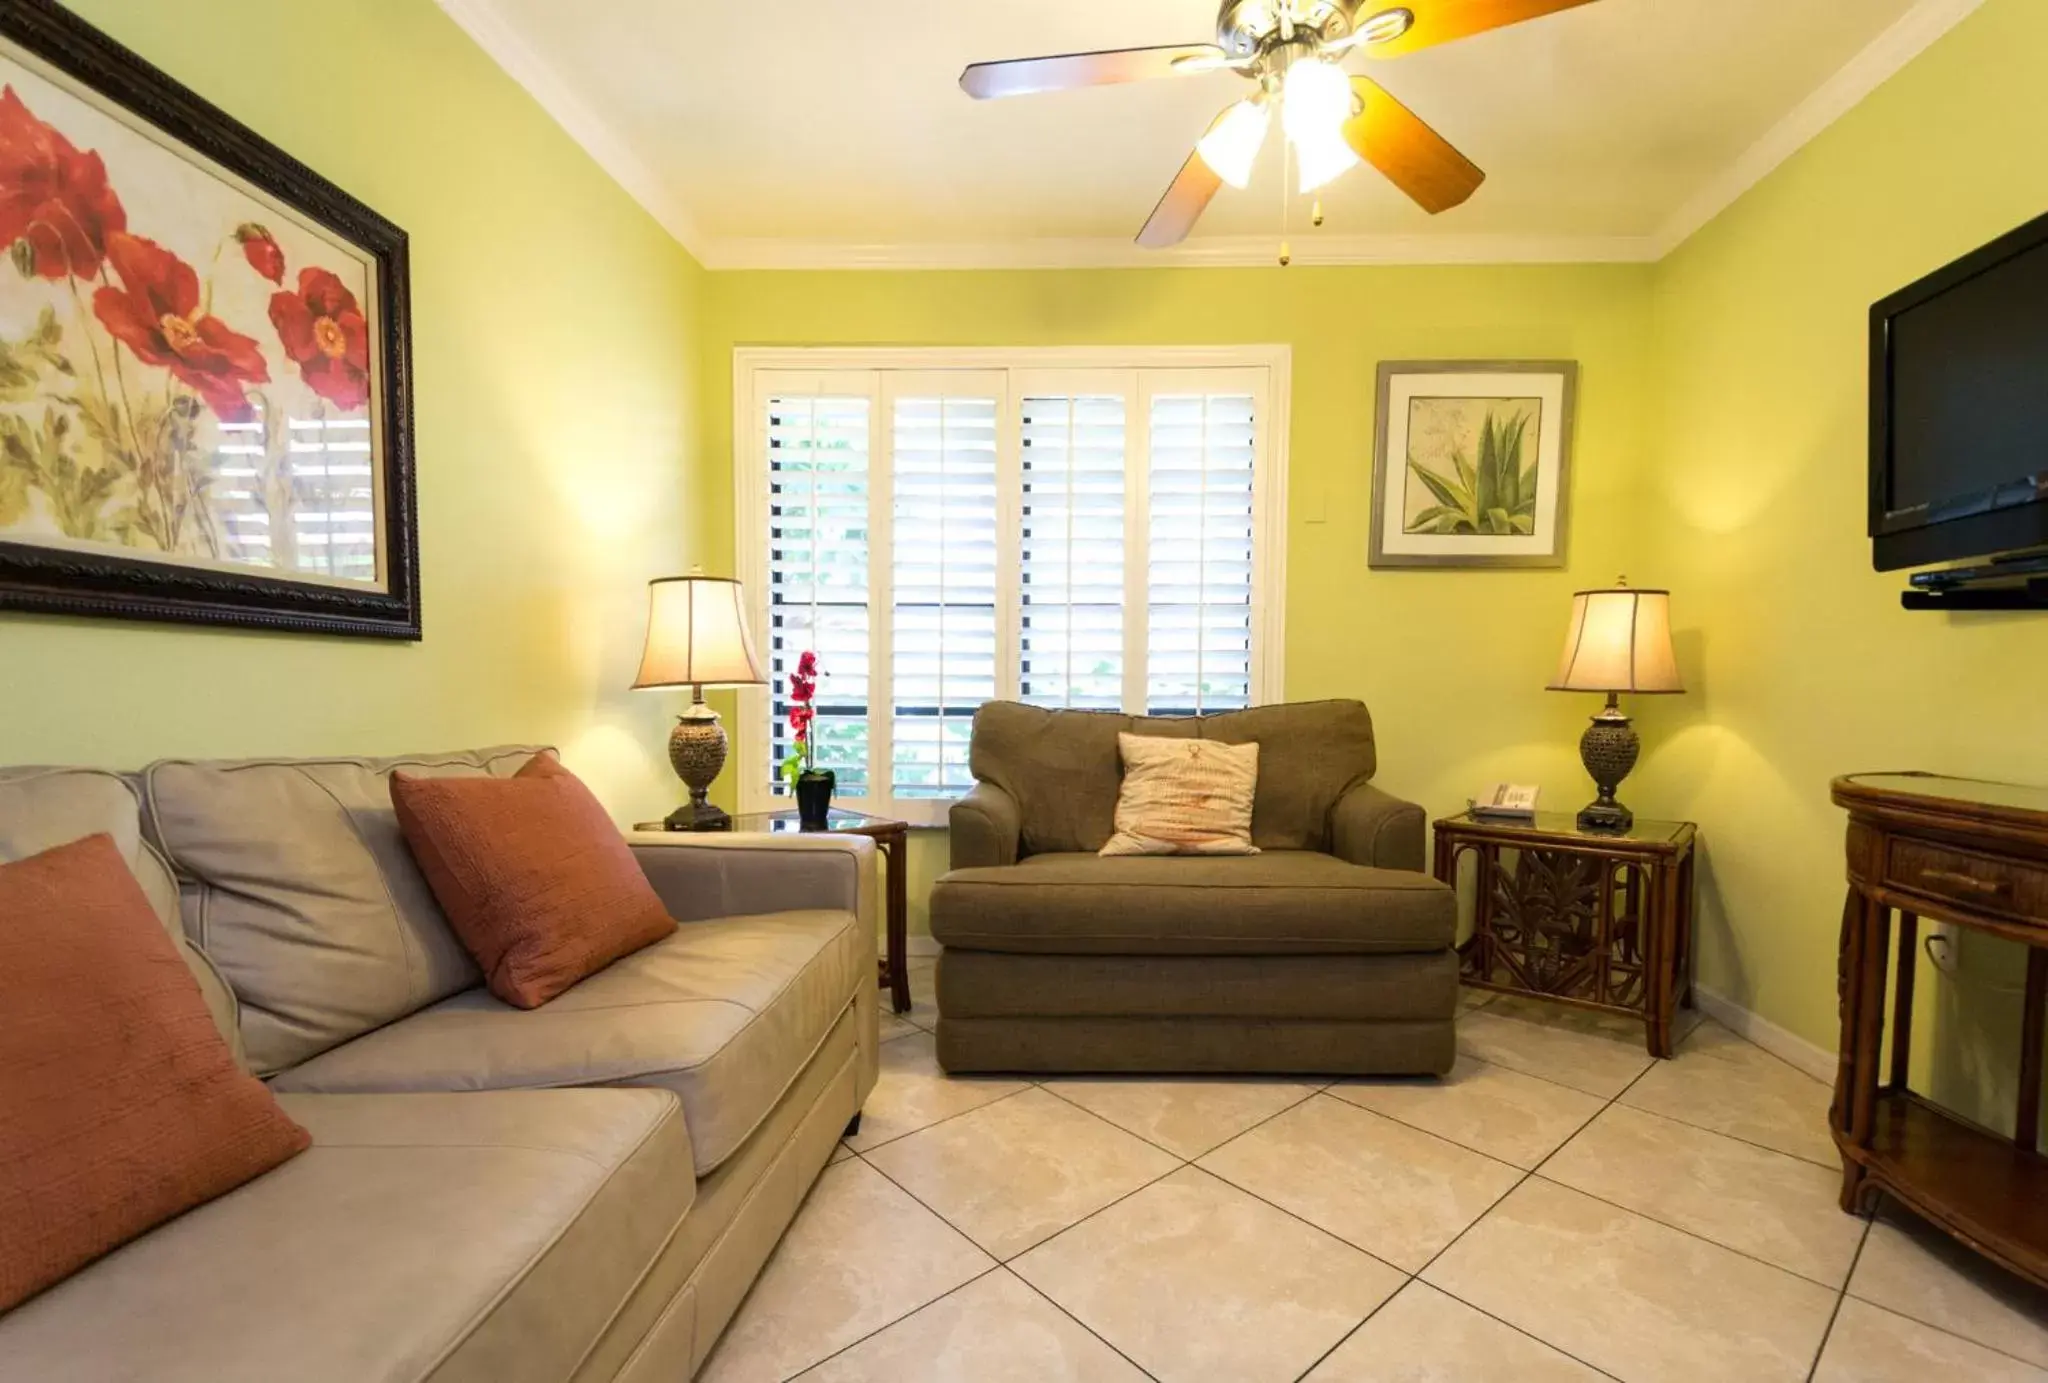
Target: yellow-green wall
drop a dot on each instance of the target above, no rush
(1451, 663)
(1805, 665)
(555, 364)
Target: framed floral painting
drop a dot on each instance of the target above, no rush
(1470, 463)
(204, 384)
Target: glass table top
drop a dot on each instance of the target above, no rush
(1567, 824)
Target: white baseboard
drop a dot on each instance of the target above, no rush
(1788, 1046)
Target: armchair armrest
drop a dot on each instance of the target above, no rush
(718, 874)
(985, 827)
(1371, 826)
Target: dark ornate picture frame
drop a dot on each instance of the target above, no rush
(70, 581)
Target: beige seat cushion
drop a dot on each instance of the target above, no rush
(41, 808)
(723, 1013)
(1283, 902)
(299, 885)
(442, 1237)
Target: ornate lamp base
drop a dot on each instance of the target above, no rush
(696, 750)
(1608, 749)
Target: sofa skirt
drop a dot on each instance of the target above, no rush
(1261, 1046)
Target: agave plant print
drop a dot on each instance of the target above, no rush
(1471, 461)
(201, 351)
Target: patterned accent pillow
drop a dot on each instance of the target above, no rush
(1184, 797)
(120, 1104)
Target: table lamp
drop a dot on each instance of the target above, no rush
(697, 637)
(1620, 641)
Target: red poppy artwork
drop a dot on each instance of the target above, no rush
(324, 333)
(187, 370)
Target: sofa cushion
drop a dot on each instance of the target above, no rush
(42, 807)
(1062, 768)
(724, 1013)
(443, 1237)
(532, 874)
(123, 1105)
(1282, 902)
(298, 884)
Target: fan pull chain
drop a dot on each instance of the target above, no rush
(1286, 173)
(1316, 216)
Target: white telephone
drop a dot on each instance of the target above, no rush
(1511, 801)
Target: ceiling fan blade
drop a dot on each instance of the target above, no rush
(1440, 21)
(985, 81)
(1193, 189)
(1415, 158)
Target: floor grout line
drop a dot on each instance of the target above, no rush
(1308, 1094)
(1821, 1349)
(1107, 1343)
(816, 1364)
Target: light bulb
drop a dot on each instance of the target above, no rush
(1323, 158)
(1233, 142)
(1317, 106)
(1318, 100)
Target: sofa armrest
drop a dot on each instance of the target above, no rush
(984, 827)
(1371, 826)
(709, 874)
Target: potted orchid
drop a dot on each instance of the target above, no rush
(813, 787)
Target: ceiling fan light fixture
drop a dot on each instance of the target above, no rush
(1232, 144)
(1323, 158)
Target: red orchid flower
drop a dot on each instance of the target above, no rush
(324, 333)
(53, 199)
(155, 313)
(262, 251)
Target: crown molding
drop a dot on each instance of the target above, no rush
(482, 22)
(1209, 252)
(1912, 34)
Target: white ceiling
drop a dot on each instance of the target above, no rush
(836, 133)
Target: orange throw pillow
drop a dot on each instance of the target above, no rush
(536, 881)
(120, 1105)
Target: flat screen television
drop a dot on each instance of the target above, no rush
(1959, 408)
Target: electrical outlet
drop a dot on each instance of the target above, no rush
(1941, 944)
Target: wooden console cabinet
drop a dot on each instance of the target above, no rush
(1974, 854)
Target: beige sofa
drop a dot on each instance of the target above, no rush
(580, 1192)
(1330, 952)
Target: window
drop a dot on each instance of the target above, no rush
(1066, 528)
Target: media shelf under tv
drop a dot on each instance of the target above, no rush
(2018, 581)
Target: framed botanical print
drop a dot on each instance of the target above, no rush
(1470, 463)
(204, 385)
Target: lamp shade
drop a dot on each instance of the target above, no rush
(697, 635)
(1620, 641)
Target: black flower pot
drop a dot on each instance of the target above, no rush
(814, 797)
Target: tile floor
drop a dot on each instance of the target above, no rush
(1558, 1208)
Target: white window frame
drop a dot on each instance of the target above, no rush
(763, 372)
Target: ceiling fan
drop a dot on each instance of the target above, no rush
(1292, 49)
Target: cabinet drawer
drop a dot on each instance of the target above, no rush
(1984, 883)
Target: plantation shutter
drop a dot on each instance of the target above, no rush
(1070, 644)
(1202, 444)
(944, 578)
(818, 575)
(1068, 536)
